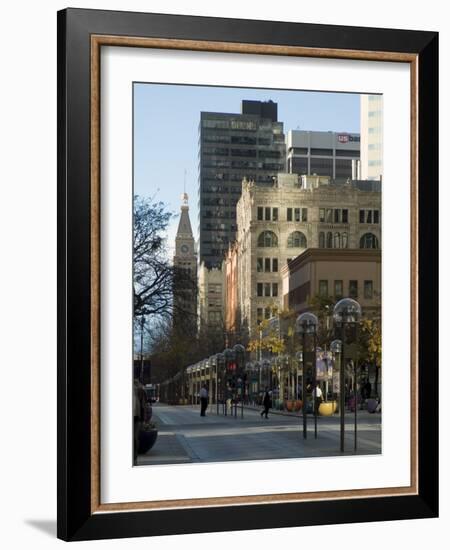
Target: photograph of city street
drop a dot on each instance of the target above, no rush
(257, 274)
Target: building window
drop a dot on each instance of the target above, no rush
(289, 215)
(329, 215)
(275, 264)
(321, 239)
(259, 265)
(353, 289)
(267, 239)
(337, 240)
(267, 290)
(274, 289)
(260, 213)
(296, 240)
(267, 264)
(304, 214)
(338, 289)
(368, 290)
(259, 289)
(337, 215)
(344, 240)
(369, 216)
(344, 215)
(322, 214)
(369, 240)
(329, 239)
(323, 288)
(267, 213)
(214, 317)
(267, 313)
(275, 214)
(259, 313)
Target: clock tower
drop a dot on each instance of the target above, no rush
(185, 255)
(185, 264)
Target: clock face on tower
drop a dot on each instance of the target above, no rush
(184, 248)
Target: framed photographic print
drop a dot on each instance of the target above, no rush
(247, 274)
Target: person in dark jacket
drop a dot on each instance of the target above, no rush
(203, 400)
(267, 403)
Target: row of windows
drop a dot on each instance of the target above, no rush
(218, 227)
(333, 215)
(297, 214)
(236, 140)
(267, 213)
(326, 215)
(267, 290)
(292, 214)
(264, 313)
(352, 289)
(354, 153)
(268, 239)
(369, 216)
(267, 265)
(328, 240)
(224, 151)
(239, 164)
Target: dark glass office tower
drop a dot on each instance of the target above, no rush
(233, 146)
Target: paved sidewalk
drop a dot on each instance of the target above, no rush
(185, 436)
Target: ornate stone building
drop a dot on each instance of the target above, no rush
(276, 224)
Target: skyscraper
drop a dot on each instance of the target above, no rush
(330, 154)
(233, 146)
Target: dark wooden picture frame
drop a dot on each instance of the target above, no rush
(81, 34)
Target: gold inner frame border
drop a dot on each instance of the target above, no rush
(97, 41)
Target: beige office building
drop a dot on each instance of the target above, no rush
(211, 298)
(278, 223)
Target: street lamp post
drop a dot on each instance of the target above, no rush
(299, 357)
(229, 356)
(239, 352)
(346, 312)
(306, 324)
(141, 375)
(220, 359)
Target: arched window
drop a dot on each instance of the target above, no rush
(296, 240)
(267, 238)
(321, 239)
(329, 239)
(344, 240)
(368, 240)
(337, 240)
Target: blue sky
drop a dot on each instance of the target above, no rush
(166, 119)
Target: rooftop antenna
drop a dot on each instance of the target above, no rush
(184, 196)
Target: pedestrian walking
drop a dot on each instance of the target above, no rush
(203, 400)
(267, 403)
(318, 397)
